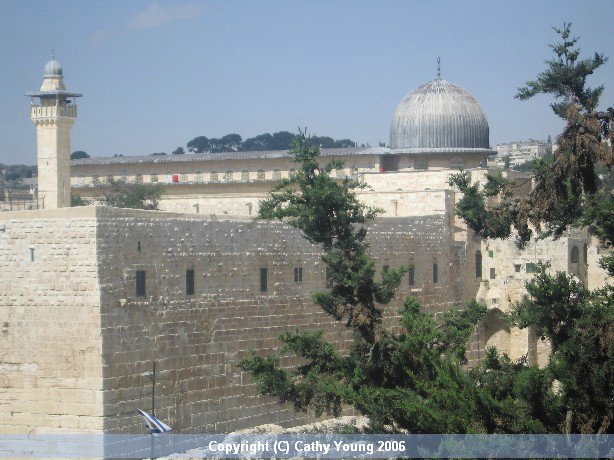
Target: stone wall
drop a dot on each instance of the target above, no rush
(505, 271)
(50, 340)
(79, 343)
(197, 339)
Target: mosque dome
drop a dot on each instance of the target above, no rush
(439, 117)
(53, 69)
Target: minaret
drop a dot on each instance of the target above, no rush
(53, 118)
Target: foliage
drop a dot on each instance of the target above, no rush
(199, 144)
(134, 195)
(414, 379)
(78, 200)
(330, 214)
(12, 173)
(178, 151)
(78, 154)
(281, 140)
(580, 328)
(228, 143)
(568, 189)
(408, 379)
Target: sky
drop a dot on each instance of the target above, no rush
(156, 74)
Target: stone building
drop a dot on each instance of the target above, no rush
(91, 297)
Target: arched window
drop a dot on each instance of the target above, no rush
(138, 178)
(456, 163)
(153, 178)
(276, 174)
(245, 175)
(292, 172)
(354, 172)
(183, 177)
(81, 180)
(213, 176)
(585, 253)
(260, 174)
(575, 255)
(478, 264)
(228, 176)
(199, 176)
(95, 180)
(168, 178)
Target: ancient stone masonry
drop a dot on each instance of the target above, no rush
(85, 337)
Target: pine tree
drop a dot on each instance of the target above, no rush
(570, 186)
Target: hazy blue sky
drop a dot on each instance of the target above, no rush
(155, 74)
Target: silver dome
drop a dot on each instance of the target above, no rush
(53, 69)
(439, 117)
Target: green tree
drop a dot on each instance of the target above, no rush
(137, 195)
(580, 328)
(78, 154)
(199, 144)
(568, 189)
(78, 200)
(413, 379)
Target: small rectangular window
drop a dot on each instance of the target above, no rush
(530, 267)
(385, 268)
(264, 279)
(140, 283)
(411, 274)
(517, 268)
(491, 254)
(189, 281)
(493, 273)
(298, 274)
(435, 273)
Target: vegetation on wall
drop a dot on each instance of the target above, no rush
(135, 195)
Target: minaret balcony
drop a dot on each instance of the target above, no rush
(53, 111)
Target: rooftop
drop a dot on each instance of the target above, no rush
(268, 154)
